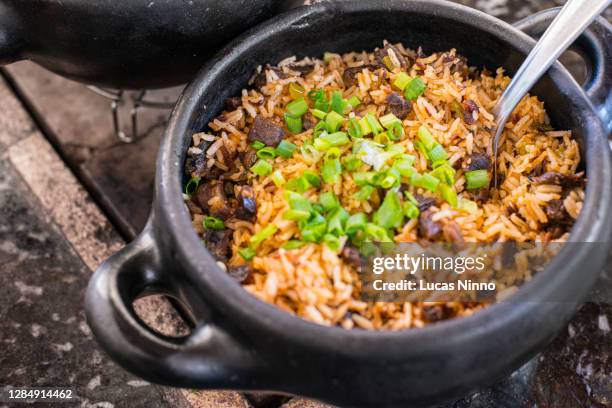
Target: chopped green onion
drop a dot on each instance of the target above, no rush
(365, 127)
(310, 153)
(297, 201)
(298, 107)
(448, 194)
(356, 223)
(321, 144)
(382, 138)
(335, 139)
(390, 179)
(192, 185)
(331, 170)
(354, 101)
(389, 214)
(213, 223)
(262, 235)
(247, 253)
(364, 177)
(410, 210)
(329, 201)
(401, 81)
(296, 215)
(266, 153)
(299, 184)
(296, 91)
(437, 153)
(354, 129)
(332, 242)
(373, 124)
(445, 173)
(425, 181)
(293, 244)
(312, 178)
(352, 162)
(314, 229)
(261, 168)
(414, 89)
(258, 145)
(377, 233)
(336, 221)
(319, 114)
(404, 166)
(334, 121)
(320, 128)
(425, 136)
(285, 149)
(338, 103)
(388, 120)
(411, 198)
(321, 102)
(277, 178)
(364, 193)
(467, 206)
(294, 123)
(395, 132)
(476, 179)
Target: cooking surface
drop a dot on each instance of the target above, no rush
(71, 193)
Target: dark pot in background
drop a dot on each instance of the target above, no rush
(240, 342)
(125, 43)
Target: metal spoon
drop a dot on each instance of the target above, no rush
(571, 21)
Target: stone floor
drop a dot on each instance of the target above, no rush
(71, 194)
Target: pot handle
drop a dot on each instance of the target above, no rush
(595, 45)
(207, 358)
(11, 41)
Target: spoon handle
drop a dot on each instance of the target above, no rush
(571, 21)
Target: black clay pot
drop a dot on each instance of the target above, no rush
(125, 43)
(242, 343)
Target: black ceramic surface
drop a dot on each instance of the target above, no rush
(242, 343)
(125, 43)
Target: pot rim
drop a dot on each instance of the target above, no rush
(229, 297)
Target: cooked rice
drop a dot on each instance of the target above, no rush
(313, 282)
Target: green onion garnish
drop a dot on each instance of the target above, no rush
(296, 90)
(448, 194)
(336, 221)
(354, 129)
(364, 193)
(258, 145)
(335, 139)
(352, 162)
(262, 168)
(404, 166)
(277, 178)
(312, 178)
(395, 131)
(310, 153)
(425, 181)
(294, 123)
(411, 198)
(298, 107)
(296, 215)
(247, 253)
(476, 179)
(354, 101)
(401, 81)
(293, 244)
(262, 235)
(299, 184)
(377, 233)
(389, 214)
(266, 153)
(329, 201)
(314, 229)
(414, 89)
(192, 185)
(285, 149)
(319, 114)
(467, 206)
(410, 210)
(332, 242)
(445, 173)
(363, 178)
(338, 104)
(388, 120)
(365, 127)
(297, 201)
(213, 223)
(331, 170)
(426, 138)
(321, 144)
(373, 124)
(437, 153)
(390, 179)
(333, 121)
(355, 223)
(382, 138)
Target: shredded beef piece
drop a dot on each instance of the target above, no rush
(195, 165)
(434, 313)
(233, 103)
(248, 158)
(424, 202)
(428, 228)
(398, 105)
(351, 256)
(247, 205)
(479, 161)
(242, 274)
(384, 52)
(302, 69)
(452, 232)
(218, 243)
(261, 81)
(266, 131)
(469, 107)
(564, 180)
(555, 231)
(193, 207)
(308, 121)
(460, 65)
(349, 76)
(557, 214)
(480, 194)
(537, 170)
(211, 197)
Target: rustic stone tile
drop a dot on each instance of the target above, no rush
(216, 399)
(16, 125)
(305, 403)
